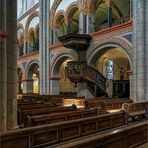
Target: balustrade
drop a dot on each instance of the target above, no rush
(115, 22)
(78, 71)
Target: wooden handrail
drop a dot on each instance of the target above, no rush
(78, 71)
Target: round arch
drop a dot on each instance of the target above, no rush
(55, 69)
(72, 15)
(34, 14)
(71, 9)
(99, 47)
(30, 66)
(58, 16)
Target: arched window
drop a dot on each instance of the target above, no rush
(110, 70)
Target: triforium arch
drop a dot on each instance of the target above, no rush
(118, 5)
(54, 8)
(108, 13)
(114, 61)
(59, 80)
(31, 77)
(72, 15)
(31, 16)
(60, 23)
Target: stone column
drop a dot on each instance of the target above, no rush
(82, 17)
(52, 37)
(139, 86)
(86, 18)
(90, 22)
(55, 86)
(109, 4)
(27, 85)
(146, 46)
(69, 24)
(82, 23)
(8, 73)
(44, 54)
(83, 91)
(3, 70)
(19, 89)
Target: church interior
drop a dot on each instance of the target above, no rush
(73, 73)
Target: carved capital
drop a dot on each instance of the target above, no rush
(109, 3)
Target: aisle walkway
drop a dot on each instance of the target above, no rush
(143, 146)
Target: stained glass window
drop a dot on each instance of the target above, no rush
(110, 70)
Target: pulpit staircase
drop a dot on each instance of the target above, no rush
(78, 72)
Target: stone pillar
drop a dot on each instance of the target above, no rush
(140, 63)
(8, 73)
(27, 85)
(83, 91)
(109, 4)
(25, 47)
(109, 88)
(131, 8)
(82, 17)
(86, 18)
(55, 86)
(146, 46)
(90, 22)
(19, 89)
(52, 37)
(69, 25)
(82, 23)
(44, 54)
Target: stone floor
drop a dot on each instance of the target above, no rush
(144, 145)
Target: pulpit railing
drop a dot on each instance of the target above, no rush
(79, 71)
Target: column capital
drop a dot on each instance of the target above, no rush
(86, 10)
(84, 7)
(109, 3)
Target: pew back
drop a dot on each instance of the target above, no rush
(59, 132)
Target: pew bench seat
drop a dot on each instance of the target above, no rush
(136, 115)
(129, 136)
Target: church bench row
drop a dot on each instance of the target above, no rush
(130, 136)
(58, 117)
(102, 109)
(22, 113)
(37, 97)
(45, 119)
(50, 134)
(135, 111)
(35, 106)
(103, 103)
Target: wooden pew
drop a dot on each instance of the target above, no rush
(58, 117)
(22, 113)
(130, 136)
(104, 104)
(50, 134)
(45, 119)
(135, 111)
(35, 106)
